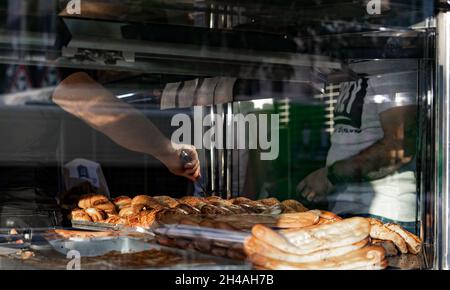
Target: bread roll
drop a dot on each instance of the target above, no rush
(239, 200)
(122, 201)
(210, 209)
(166, 201)
(413, 242)
(91, 200)
(297, 220)
(107, 207)
(270, 201)
(148, 201)
(147, 218)
(327, 217)
(187, 208)
(80, 215)
(117, 220)
(371, 257)
(318, 237)
(193, 201)
(253, 245)
(169, 216)
(96, 215)
(389, 247)
(295, 205)
(274, 209)
(131, 210)
(379, 231)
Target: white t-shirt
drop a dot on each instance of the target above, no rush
(357, 127)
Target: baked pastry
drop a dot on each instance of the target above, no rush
(187, 209)
(274, 209)
(147, 218)
(80, 215)
(250, 206)
(91, 200)
(115, 219)
(269, 201)
(253, 245)
(97, 215)
(298, 219)
(107, 207)
(166, 201)
(169, 216)
(148, 201)
(294, 205)
(131, 210)
(241, 199)
(413, 242)
(379, 231)
(193, 201)
(389, 247)
(122, 201)
(210, 209)
(317, 237)
(234, 209)
(327, 217)
(68, 234)
(367, 258)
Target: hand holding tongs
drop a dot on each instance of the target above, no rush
(186, 158)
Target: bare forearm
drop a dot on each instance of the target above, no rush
(379, 160)
(83, 97)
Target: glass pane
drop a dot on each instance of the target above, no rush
(323, 102)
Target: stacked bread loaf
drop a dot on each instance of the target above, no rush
(354, 243)
(339, 245)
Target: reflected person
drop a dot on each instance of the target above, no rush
(370, 168)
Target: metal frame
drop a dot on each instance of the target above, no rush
(442, 143)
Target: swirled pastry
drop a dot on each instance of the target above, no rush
(107, 207)
(270, 201)
(91, 200)
(80, 215)
(115, 219)
(294, 204)
(167, 201)
(185, 208)
(96, 215)
(131, 210)
(194, 201)
(122, 201)
(148, 201)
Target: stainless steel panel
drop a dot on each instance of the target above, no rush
(442, 140)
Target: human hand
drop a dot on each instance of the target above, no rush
(174, 163)
(315, 186)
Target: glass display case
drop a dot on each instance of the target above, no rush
(132, 126)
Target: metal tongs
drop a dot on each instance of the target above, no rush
(186, 158)
(104, 227)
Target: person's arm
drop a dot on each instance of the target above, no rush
(86, 99)
(394, 150)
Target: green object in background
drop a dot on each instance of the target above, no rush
(304, 145)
